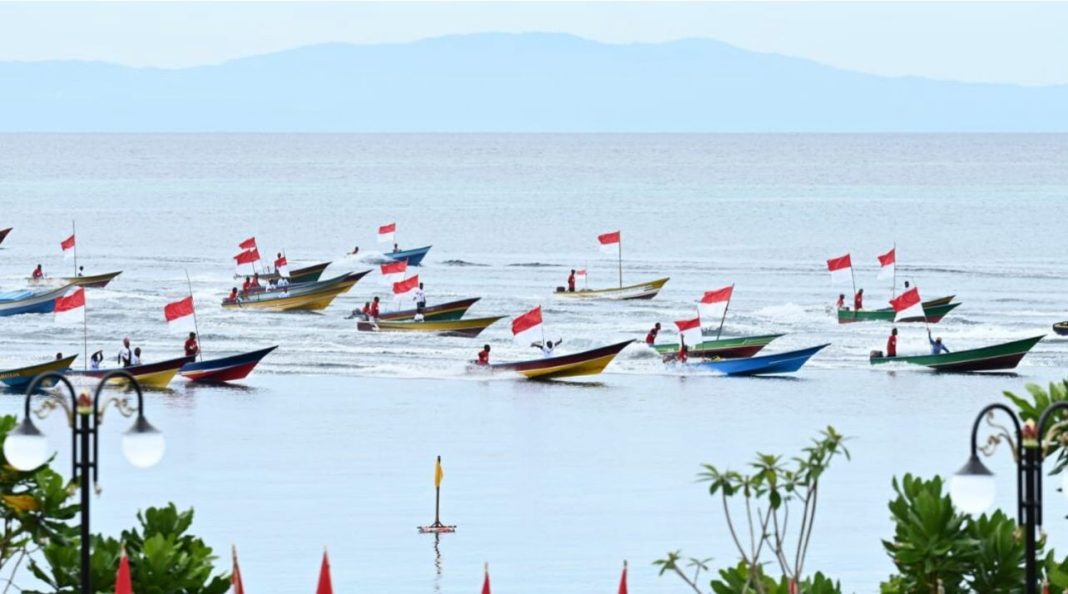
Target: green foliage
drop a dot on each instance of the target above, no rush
(740, 578)
(1031, 409)
(998, 564)
(164, 559)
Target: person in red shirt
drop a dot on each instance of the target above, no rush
(246, 285)
(683, 353)
(374, 309)
(840, 304)
(191, 346)
(891, 344)
(483, 356)
(571, 281)
(38, 273)
(651, 337)
(256, 280)
(233, 295)
(858, 300)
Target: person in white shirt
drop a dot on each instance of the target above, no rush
(547, 347)
(136, 360)
(420, 299)
(124, 353)
(96, 359)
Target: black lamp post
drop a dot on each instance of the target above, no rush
(972, 488)
(26, 448)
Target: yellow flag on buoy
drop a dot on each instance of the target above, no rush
(438, 474)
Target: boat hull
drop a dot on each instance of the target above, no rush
(468, 328)
(646, 290)
(724, 348)
(778, 363)
(313, 297)
(591, 362)
(933, 313)
(4, 232)
(224, 369)
(413, 256)
(453, 310)
(998, 357)
(151, 375)
(39, 302)
(96, 281)
(1061, 328)
(22, 376)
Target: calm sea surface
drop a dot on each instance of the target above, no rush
(333, 440)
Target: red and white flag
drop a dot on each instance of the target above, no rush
(70, 308)
(887, 262)
(404, 288)
(325, 585)
(485, 581)
(123, 583)
(386, 233)
(248, 244)
(908, 305)
(527, 327)
(394, 271)
(180, 316)
(841, 269)
(68, 246)
(282, 266)
(235, 576)
(580, 273)
(623, 580)
(609, 242)
(690, 331)
(245, 261)
(713, 304)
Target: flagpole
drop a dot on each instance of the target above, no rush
(200, 341)
(74, 234)
(725, 308)
(620, 260)
(437, 496)
(893, 286)
(586, 277)
(85, 334)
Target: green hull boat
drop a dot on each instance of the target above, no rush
(934, 310)
(724, 348)
(992, 358)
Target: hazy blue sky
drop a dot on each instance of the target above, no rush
(984, 41)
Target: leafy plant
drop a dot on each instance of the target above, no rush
(1031, 409)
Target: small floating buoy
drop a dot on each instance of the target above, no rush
(437, 527)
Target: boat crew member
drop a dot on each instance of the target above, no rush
(59, 356)
(858, 300)
(483, 356)
(256, 280)
(891, 344)
(96, 359)
(547, 347)
(420, 300)
(283, 284)
(395, 248)
(906, 285)
(136, 360)
(191, 346)
(684, 353)
(81, 271)
(374, 308)
(233, 295)
(571, 281)
(364, 313)
(650, 338)
(937, 348)
(124, 353)
(246, 285)
(840, 304)
(38, 273)
(355, 251)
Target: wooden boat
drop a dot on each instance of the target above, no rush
(992, 358)
(4, 232)
(96, 281)
(30, 301)
(413, 256)
(149, 375)
(934, 312)
(21, 377)
(467, 328)
(591, 362)
(310, 297)
(452, 310)
(787, 362)
(1061, 328)
(224, 369)
(308, 274)
(646, 290)
(723, 348)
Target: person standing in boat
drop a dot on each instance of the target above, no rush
(840, 304)
(571, 281)
(81, 271)
(355, 251)
(396, 248)
(246, 285)
(650, 338)
(891, 343)
(547, 347)
(191, 346)
(858, 300)
(38, 273)
(125, 356)
(96, 359)
(937, 348)
(483, 356)
(684, 352)
(420, 300)
(374, 308)
(136, 360)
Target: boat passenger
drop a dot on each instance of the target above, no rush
(59, 356)
(256, 280)
(136, 360)
(96, 359)
(395, 248)
(246, 285)
(683, 354)
(233, 295)
(571, 281)
(858, 300)
(891, 344)
(81, 271)
(283, 283)
(650, 338)
(420, 299)
(840, 304)
(547, 347)
(38, 273)
(937, 348)
(191, 346)
(906, 285)
(355, 251)
(374, 308)
(125, 356)
(483, 356)
(418, 317)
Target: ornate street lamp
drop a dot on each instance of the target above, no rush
(26, 448)
(973, 487)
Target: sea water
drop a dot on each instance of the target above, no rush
(332, 442)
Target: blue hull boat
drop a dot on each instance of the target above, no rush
(413, 256)
(29, 301)
(787, 362)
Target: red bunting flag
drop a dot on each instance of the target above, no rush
(386, 233)
(70, 308)
(406, 286)
(713, 304)
(908, 305)
(887, 263)
(394, 271)
(248, 244)
(68, 246)
(325, 585)
(690, 331)
(485, 580)
(609, 241)
(235, 575)
(179, 315)
(623, 580)
(527, 321)
(123, 583)
(841, 269)
(247, 256)
(580, 273)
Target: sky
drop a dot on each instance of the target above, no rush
(1001, 42)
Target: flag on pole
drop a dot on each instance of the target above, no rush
(246, 259)
(527, 327)
(403, 288)
(690, 331)
(282, 266)
(887, 262)
(325, 585)
(623, 580)
(485, 581)
(841, 269)
(123, 583)
(438, 474)
(386, 233)
(248, 244)
(179, 315)
(394, 271)
(609, 242)
(70, 308)
(580, 273)
(68, 246)
(908, 305)
(713, 304)
(235, 575)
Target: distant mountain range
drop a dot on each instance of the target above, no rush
(511, 83)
